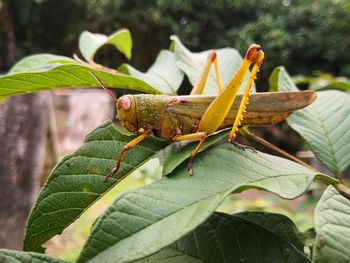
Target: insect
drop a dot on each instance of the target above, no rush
(195, 116)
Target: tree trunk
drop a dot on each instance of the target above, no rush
(7, 38)
(87, 110)
(23, 129)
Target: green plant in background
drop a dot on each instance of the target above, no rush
(174, 219)
(323, 81)
(293, 32)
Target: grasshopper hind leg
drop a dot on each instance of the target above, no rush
(201, 136)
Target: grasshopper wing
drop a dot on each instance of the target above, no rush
(263, 109)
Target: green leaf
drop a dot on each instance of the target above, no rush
(273, 79)
(174, 154)
(300, 79)
(163, 75)
(244, 237)
(39, 62)
(332, 221)
(77, 181)
(281, 81)
(71, 75)
(193, 63)
(325, 124)
(89, 43)
(142, 222)
(340, 83)
(324, 81)
(12, 256)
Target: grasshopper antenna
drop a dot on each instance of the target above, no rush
(103, 86)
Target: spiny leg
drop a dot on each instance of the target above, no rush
(220, 106)
(201, 136)
(127, 147)
(199, 87)
(245, 100)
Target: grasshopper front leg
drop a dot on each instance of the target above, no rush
(127, 147)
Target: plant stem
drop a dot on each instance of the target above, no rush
(254, 138)
(342, 189)
(94, 65)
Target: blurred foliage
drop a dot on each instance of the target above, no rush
(323, 81)
(304, 36)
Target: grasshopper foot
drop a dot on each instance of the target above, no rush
(110, 174)
(189, 168)
(244, 147)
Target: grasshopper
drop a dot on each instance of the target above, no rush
(195, 116)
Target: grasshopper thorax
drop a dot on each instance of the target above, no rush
(126, 113)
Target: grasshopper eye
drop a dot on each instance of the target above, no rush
(125, 103)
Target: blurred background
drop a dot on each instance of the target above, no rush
(310, 38)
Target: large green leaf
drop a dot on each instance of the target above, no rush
(193, 63)
(65, 75)
(244, 237)
(325, 124)
(332, 225)
(142, 222)
(77, 181)
(163, 75)
(12, 256)
(89, 43)
(174, 154)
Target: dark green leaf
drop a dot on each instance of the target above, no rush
(174, 154)
(12, 256)
(142, 222)
(332, 225)
(67, 75)
(243, 237)
(77, 181)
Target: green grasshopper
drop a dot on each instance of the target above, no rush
(194, 117)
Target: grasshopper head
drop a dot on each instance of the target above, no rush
(254, 54)
(126, 113)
